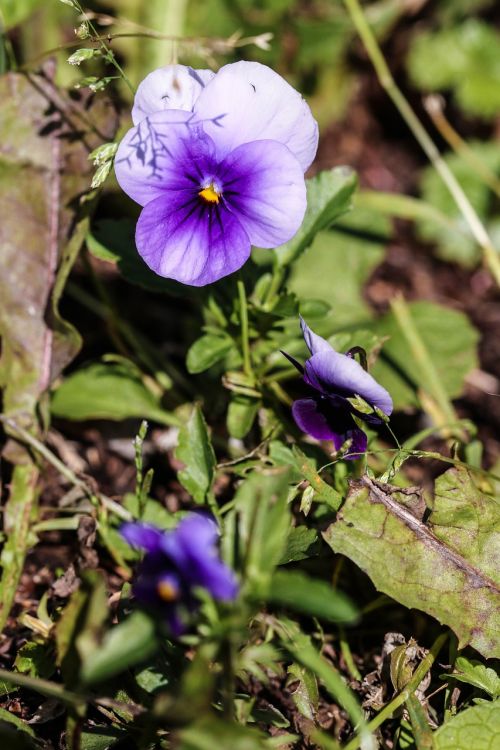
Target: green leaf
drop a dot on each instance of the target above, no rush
(207, 351)
(476, 728)
(338, 263)
(80, 626)
(99, 738)
(210, 732)
(113, 390)
(196, 452)
(16, 721)
(311, 596)
(465, 59)
(328, 197)
(301, 544)
(406, 559)
(450, 340)
(126, 644)
(35, 660)
(241, 414)
(303, 687)
(324, 492)
(264, 524)
(476, 674)
(467, 520)
(15, 11)
(15, 739)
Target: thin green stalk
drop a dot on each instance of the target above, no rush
(434, 387)
(490, 255)
(434, 108)
(346, 652)
(245, 343)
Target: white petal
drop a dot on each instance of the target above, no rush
(247, 101)
(171, 87)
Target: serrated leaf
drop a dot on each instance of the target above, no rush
(311, 596)
(476, 728)
(196, 452)
(113, 390)
(124, 645)
(450, 340)
(207, 351)
(406, 560)
(476, 674)
(328, 197)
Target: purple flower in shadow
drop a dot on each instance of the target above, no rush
(333, 378)
(176, 563)
(217, 161)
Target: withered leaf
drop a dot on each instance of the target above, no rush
(444, 567)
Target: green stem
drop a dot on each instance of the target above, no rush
(245, 344)
(346, 652)
(490, 255)
(429, 374)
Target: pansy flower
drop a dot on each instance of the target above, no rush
(217, 161)
(177, 563)
(334, 381)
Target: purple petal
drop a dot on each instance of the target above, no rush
(193, 547)
(324, 421)
(311, 418)
(247, 101)
(264, 185)
(358, 446)
(314, 342)
(336, 373)
(167, 151)
(171, 87)
(143, 536)
(195, 244)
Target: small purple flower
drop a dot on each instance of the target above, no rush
(333, 378)
(175, 564)
(217, 161)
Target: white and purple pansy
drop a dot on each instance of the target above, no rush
(217, 161)
(332, 379)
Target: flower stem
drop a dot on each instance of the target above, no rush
(245, 345)
(490, 255)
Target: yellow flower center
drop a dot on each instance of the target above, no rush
(166, 591)
(209, 194)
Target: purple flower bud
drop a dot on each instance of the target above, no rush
(217, 161)
(334, 381)
(175, 564)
